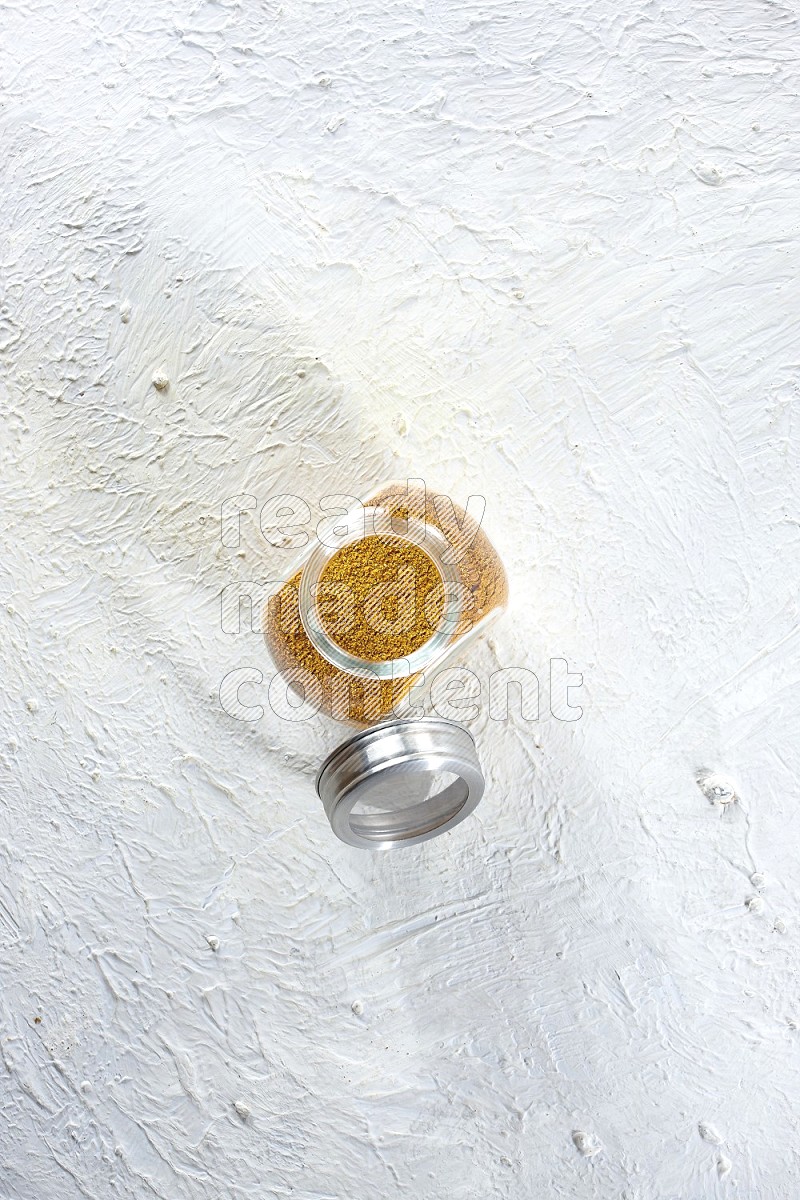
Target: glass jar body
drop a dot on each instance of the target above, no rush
(361, 690)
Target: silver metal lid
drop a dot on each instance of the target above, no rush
(400, 782)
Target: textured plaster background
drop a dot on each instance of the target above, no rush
(543, 253)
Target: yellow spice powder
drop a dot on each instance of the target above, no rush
(360, 701)
(380, 598)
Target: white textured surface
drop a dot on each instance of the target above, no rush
(544, 253)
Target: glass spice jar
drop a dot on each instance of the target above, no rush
(382, 596)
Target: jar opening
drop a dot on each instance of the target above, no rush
(377, 603)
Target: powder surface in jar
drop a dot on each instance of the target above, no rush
(380, 598)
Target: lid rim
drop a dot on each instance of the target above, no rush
(416, 745)
(385, 726)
